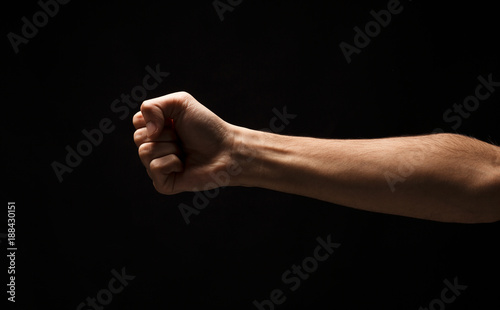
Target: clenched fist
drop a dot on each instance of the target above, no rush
(182, 144)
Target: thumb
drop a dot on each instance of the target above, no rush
(158, 112)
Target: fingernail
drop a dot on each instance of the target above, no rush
(151, 128)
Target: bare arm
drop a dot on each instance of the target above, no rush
(442, 177)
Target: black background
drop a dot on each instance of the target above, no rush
(265, 54)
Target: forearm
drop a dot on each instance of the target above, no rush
(442, 177)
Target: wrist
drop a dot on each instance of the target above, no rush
(258, 156)
(244, 153)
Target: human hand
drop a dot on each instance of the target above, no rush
(181, 143)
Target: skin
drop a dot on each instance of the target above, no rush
(440, 177)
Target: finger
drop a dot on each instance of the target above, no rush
(155, 111)
(152, 150)
(141, 136)
(138, 120)
(163, 171)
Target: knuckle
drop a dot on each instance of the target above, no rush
(155, 166)
(138, 136)
(144, 149)
(184, 94)
(168, 159)
(146, 105)
(137, 116)
(185, 97)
